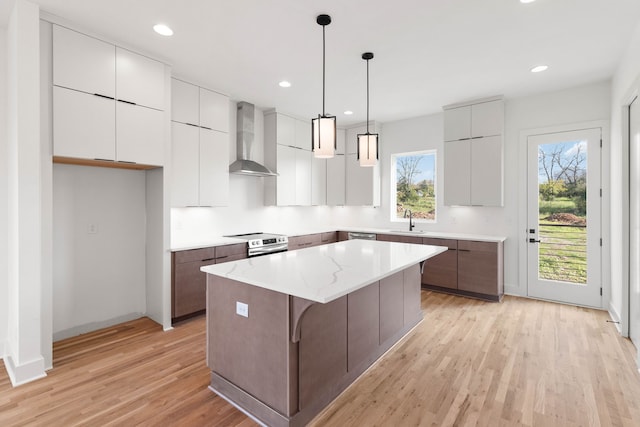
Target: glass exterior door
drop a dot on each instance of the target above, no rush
(563, 211)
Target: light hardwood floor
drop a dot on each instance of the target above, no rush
(519, 362)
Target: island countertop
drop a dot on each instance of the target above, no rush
(325, 273)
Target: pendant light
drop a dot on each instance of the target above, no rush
(323, 127)
(368, 142)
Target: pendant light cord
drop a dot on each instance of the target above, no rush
(367, 96)
(323, 69)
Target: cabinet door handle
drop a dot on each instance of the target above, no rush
(208, 259)
(125, 161)
(191, 124)
(464, 250)
(204, 127)
(127, 102)
(105, 160)
(103, 96)
(222, 257)
(452, 249)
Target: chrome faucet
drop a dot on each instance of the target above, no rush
(411, 224)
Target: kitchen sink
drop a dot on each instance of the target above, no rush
(406, 231)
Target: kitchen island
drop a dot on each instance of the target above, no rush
(288, 332)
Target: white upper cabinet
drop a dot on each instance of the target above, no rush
(214, 110)
(108, 102)
(486, 171)
(362, 184)
(185, 99)
(457, 173)
(185, 154)
(341, 141)
(139, 134)
(214, 168)
(336, 179)
(288, 152)
(285, 130)
(200, 153)
(457, 123)
(473, 164)
(83, 63)
(286, 179)
(83, 125)
(139, 79)
(303, 134)
(318, 181)
(487, 119)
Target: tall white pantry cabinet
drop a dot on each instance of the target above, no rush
(473, 150)
(200, 146)
(108, 102)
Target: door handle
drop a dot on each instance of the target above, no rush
(534, 241)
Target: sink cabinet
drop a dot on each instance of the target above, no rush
(189, 284)
(442, 269)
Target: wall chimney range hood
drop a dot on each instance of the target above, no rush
(244, 141)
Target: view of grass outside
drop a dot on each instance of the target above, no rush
(415, 184)
(563, 212)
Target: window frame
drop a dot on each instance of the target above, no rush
(393, 193)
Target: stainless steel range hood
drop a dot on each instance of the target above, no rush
(244, 141)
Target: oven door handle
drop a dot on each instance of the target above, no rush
(268, 250)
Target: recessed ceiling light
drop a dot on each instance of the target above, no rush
(539, 68)
(527, 1)
(348, 113)
(163, 30)
(284, 83)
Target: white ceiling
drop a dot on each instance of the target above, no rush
(428, 53)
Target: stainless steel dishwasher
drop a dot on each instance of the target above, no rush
(362, 236)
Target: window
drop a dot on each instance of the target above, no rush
(413, 185)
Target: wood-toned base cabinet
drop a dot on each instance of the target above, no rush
(189, 284)
(471, 268)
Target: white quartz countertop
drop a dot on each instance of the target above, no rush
(219, 240)
(325, 273)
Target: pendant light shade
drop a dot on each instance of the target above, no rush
(368, 142)
(323, 127)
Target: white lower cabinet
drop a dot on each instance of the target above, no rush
(83, 125)
(362, 183)
(139, 134)
(199, 166)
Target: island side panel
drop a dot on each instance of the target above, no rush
(412, 285)
(250, 352)
(391, 306)
(363, 325)
(322, 351)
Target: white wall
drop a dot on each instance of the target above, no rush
(623, 85)
(3, 190)
(98, 278)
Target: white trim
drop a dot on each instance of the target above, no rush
(513, 290)
(522, 198)
(615, 316)
(631, 94)
(2, 350)
(393, 194)
(27, 372)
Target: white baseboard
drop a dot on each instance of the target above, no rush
(615, 316)
(94, 326)
(27, 372)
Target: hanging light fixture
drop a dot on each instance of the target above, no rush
(323, 127)
(368, 142)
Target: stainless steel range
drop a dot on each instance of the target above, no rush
(263, 243)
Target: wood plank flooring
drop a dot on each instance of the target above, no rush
(519, 362)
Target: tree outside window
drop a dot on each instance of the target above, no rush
(413, 185)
